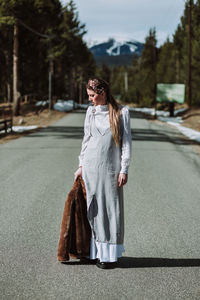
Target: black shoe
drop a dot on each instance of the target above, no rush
(106, 265)
(87, 260)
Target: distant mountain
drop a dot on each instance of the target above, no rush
(115, 52)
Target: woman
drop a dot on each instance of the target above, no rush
(103, 164)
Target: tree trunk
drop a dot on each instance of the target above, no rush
(8, 80)
(16, 94)
(189, 77)
(177, 70)
(155, 79)
(81, 89)
(8, 92)
(72, 83)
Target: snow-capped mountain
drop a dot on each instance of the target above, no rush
(114, 48)
(115, 52)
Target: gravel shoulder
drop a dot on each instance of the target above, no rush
(42, 120)
(191, 119)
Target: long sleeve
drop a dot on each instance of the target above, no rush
(86, 135)
(126, 140)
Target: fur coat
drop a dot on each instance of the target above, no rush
(75, 231)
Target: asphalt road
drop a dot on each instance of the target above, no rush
(162, 217)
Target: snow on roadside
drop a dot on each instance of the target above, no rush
(174, 121)
(23, 128)
(171, 119)
(20, 128)
(191, 133)
(162, 116)
(60, 105)
(68, 105)
(160, 113)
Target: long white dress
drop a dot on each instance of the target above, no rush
(101, 162)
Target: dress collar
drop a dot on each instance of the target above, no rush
(99, 108)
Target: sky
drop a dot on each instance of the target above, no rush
(129, 19)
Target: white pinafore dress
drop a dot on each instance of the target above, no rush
(100, 169)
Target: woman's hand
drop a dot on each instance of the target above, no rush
(122, 179)
(78, 173)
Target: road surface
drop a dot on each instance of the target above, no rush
(162, 217)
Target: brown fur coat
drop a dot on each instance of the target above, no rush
(75, 231)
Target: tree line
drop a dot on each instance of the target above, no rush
(165, 64)
(42, 34)
(50, 36)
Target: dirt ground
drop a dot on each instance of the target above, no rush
(191, 119)
(42, 119)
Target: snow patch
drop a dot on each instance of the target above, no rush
(42, 103)
(191, 133)
(68, 105)
(116, 47)
(23, 128)
(20, 129)
(175, 121)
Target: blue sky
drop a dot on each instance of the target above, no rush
(129, 19)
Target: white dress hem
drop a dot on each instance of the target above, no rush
(105, 252)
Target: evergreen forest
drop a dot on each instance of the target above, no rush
(165, 64)
(43, 35)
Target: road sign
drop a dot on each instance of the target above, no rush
(170, 93)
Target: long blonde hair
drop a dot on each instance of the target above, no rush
(99, 86)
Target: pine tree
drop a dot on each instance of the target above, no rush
(45, 29)
(166, 63)
(147, 73)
